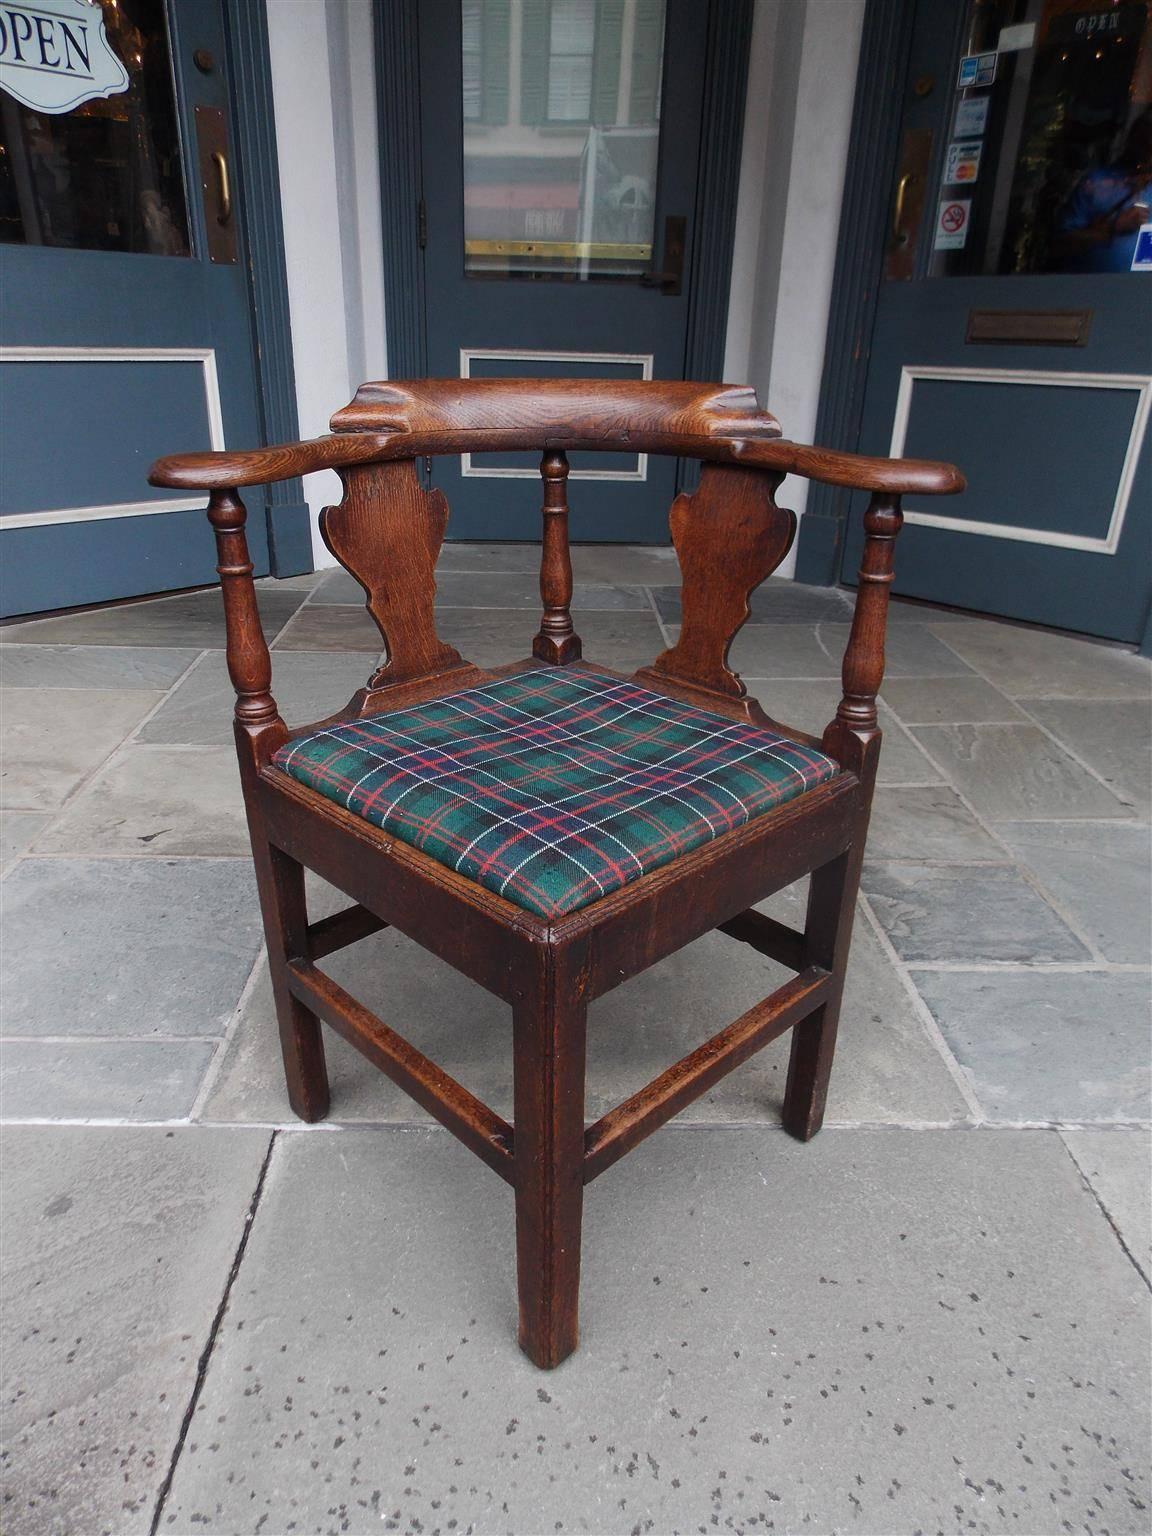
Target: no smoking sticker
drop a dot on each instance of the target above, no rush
(952, 223)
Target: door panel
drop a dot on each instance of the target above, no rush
(123, 338)
(1052, 433)
(560, 148)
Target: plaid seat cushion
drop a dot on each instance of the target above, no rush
(554, 786)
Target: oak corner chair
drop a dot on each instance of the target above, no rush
(551, 827)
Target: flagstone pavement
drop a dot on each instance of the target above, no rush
(933, 1318)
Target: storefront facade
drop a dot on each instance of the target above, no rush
(284, 200)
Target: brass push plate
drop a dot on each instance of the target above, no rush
(216, 185)
(1029, 327)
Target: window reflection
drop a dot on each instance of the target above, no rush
(1062, 145)
(561, 109)
(106, 176)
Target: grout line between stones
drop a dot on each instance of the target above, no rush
(216, 1063)
(333, 1127)
(660, 625)
(213, 1332)
(927, 1019)
(1105, 1212)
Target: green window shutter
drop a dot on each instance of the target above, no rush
(606, 60)
(535, 37)
(647, 59)
(494, 65)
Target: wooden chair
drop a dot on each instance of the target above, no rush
(584, 920)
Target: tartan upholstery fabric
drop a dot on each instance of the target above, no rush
(554, 786)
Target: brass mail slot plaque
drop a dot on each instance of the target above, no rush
(1030, 327)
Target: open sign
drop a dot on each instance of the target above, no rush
(56, 55)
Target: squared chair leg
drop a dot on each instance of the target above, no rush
(549, 1028)
(827, 937)
(285, 911)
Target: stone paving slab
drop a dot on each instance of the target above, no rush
(53, 740)
(1016, 772)
(18, 829)
(492, 636)
(947, 700)
(887, 1068)
(1048, 1046)
(308, 686)
(1118, 1166)
(93, 666)
(194, 621)
(910, 650)
(643, 564)
(1099, 873)
(157, 800)
(117, 1248)
(884, 1332)
(1037, 663)
(318, 628)
(778, 650)
(1113, 739)
(973, 913)
(460, 556)
(928, 823)
(777, 601)
(101, 1080)
(126, 946)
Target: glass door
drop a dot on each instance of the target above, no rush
(123, 300)
(1014, 333)
(558, 192)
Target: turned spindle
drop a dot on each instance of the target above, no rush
(557, 642)
(249, 664)
(863, 670)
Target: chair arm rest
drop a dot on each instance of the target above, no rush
(229, 470)
(856, 471)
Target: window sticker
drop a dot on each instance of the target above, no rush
(976, 69)
(962, 164)
(952, 223)
(971, 117)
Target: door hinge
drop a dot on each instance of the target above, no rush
(422, 223)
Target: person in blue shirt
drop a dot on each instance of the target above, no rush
(1102, 218)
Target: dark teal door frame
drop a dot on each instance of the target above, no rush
(250, 71)
(873, 148)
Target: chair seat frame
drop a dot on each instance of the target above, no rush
(728, 536)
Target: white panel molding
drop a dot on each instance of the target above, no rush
(205, 356)
(641, 360)
(1140, 384)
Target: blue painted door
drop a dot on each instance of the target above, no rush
(125, 328)
(1013, 335)
(560, 143)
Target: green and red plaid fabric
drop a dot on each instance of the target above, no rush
(555, 786)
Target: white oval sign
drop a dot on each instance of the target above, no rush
(55, 54)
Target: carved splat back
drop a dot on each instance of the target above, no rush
(387, 532)
(729, 536)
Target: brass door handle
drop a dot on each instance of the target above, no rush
(908, 179)
(220, 161)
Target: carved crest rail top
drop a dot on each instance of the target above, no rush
(559, 412)
(717, 423)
